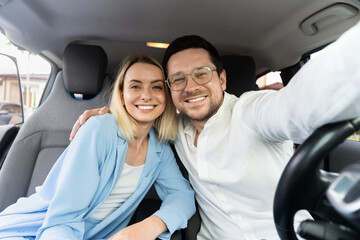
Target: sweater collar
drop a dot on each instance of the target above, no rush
(153, 152)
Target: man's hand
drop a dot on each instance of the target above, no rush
(85, 116)
(148, 229)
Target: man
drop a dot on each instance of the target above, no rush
(235, 149)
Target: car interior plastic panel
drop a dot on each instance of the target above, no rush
(342, 156)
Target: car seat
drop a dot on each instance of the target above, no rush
(45, 134)
(240, 74)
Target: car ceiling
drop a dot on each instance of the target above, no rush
(272, 32)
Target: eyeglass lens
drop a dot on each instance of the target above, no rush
(200, 75)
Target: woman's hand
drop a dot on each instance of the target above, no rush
(148, 229)
(84, 117)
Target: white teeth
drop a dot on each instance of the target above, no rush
(196, 99)
(146, 107)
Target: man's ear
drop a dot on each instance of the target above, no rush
(223, 80)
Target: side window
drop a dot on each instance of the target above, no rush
(271, 80)
(355, 137)
(34, 72)
(10, 94)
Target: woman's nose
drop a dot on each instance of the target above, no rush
(146, 95)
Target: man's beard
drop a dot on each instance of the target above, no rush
(212, 109)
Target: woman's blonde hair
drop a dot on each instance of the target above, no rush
(165, 124)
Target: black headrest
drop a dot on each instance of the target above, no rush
(84, 68)
(240, 74)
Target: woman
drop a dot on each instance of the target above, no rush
(97, 183)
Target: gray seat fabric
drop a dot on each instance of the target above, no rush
(45, 134)
(240, 74)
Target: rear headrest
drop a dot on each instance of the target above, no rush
(240, 74)
(84, 69)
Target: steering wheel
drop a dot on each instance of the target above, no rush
(302, 185)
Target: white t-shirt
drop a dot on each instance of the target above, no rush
(124, 188)
(245, 146)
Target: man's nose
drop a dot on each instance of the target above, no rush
(190, 83)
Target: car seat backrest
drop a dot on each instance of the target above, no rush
(45, 134)
(240, 74)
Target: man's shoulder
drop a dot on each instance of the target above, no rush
(251, 96)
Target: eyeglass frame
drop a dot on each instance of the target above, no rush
(190, 74)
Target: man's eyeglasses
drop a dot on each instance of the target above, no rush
(200, 75)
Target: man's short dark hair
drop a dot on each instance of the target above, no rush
(192, 41)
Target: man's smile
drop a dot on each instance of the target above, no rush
(195, 100)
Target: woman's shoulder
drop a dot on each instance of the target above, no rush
(105, 119)
(102, 123)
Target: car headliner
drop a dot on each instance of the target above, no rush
(269, 31)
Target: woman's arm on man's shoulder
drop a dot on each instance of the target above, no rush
(84, 117)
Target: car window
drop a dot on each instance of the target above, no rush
(11, 108)
(355, 137)
(34, 72)
(271, 80)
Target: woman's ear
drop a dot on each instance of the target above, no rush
(121, 97)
